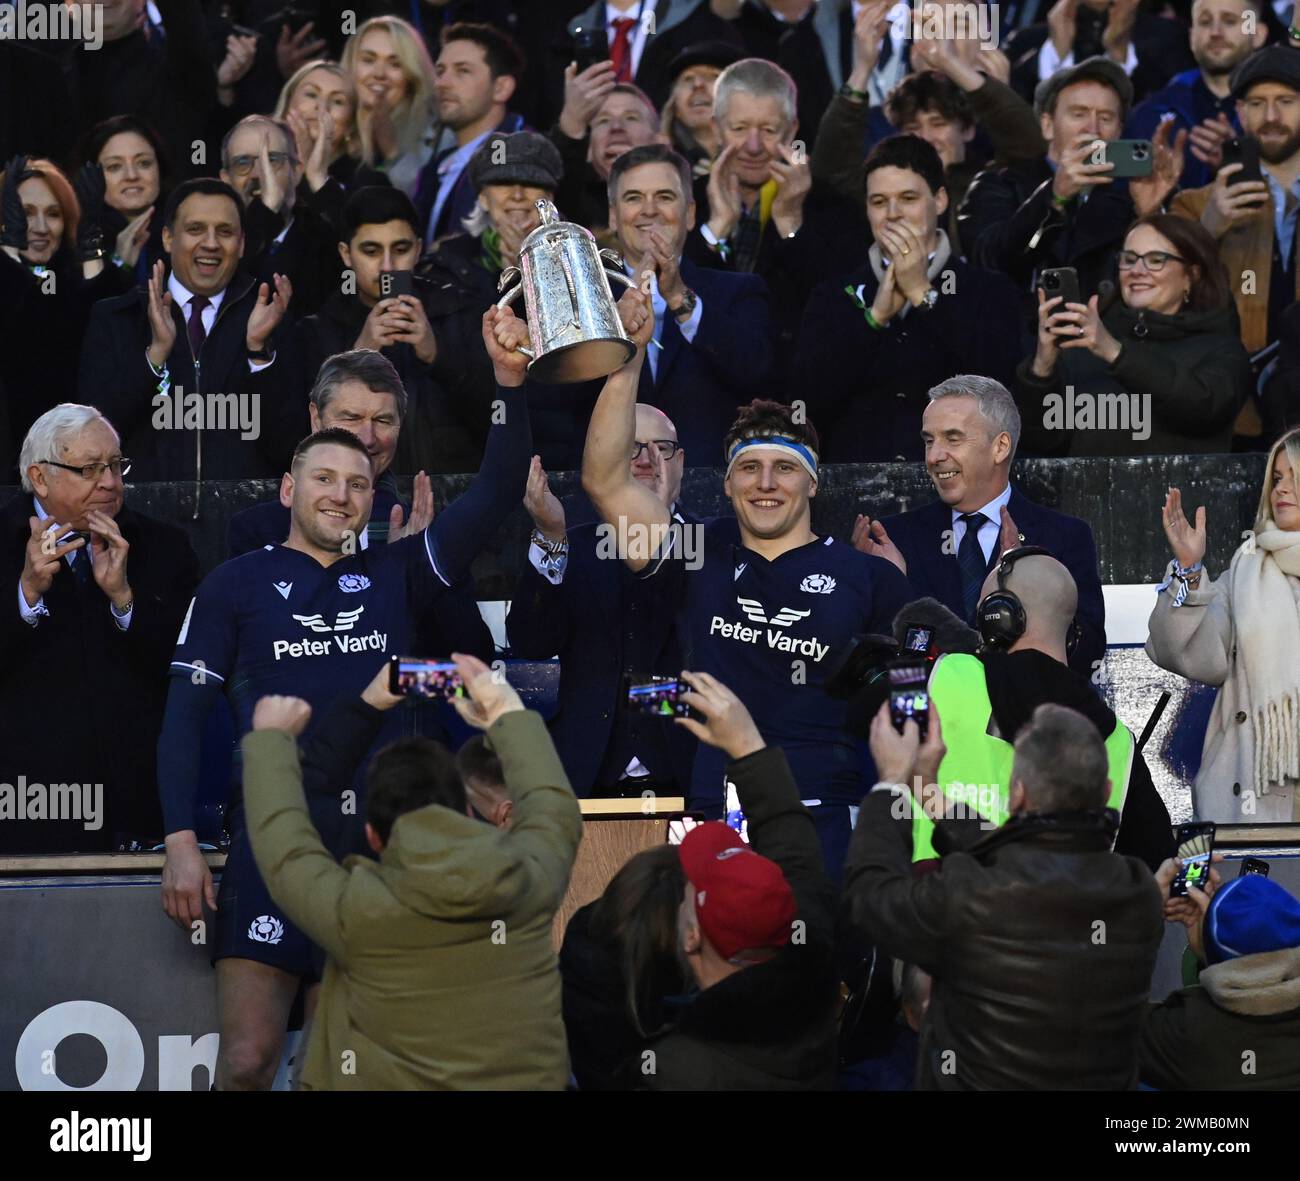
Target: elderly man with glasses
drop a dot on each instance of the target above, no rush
(289, 218)
(576, 599)
(100, 594)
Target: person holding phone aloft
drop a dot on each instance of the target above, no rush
(1161, 371)
(1254, 221)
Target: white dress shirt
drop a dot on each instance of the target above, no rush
(688, 327)
(181, 296)
(643, 14)
(448, 174)
(988, 536)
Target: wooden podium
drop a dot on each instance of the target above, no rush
(612, 832)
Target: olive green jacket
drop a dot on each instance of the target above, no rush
(441, 972)
(1238, 1029)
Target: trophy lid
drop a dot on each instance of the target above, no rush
(552, 229)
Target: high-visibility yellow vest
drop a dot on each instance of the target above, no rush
(976, 771)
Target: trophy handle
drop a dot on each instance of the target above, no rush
(509, 276)
(615, 267)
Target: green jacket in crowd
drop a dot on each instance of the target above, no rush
(1238, 1029)
(441, 972)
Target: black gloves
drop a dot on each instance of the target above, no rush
(90, 186)
(13, 221)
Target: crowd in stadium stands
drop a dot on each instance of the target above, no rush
(240, 242)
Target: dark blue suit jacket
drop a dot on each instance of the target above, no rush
(931, 571)
(585, 621)
(729, 363)
(463, 196)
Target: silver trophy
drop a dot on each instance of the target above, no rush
(572, 317)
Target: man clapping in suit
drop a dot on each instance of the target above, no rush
(96, 593)
(947, 548)
(713, 339)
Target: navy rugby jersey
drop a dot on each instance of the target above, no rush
(276, 621)
(770, 631)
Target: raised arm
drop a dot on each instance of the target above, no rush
(338, 744)
(606, 474)
(908, 918)
(547, 824)
(780, 827)
(1191, 630)
(465, 525)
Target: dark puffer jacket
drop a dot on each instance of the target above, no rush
(1041, 943)
(1190, 372)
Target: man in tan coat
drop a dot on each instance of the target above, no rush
(441, 972)
(1255, 221)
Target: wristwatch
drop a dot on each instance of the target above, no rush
(928, 300)
(687, 306)
(853, 94)
(544, 543)
(265, 353)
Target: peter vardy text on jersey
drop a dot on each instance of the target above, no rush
(376, 641)
(776, 640)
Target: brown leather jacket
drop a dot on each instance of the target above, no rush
(1040, 940)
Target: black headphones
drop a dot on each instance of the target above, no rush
(1000, 616)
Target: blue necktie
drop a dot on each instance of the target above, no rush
(971, 562)
(82, 569)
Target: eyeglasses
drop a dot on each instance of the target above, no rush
(1154, 259)
(667, 448)
(243, 165)
(92, 471)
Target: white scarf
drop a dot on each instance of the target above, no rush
(1268, 648)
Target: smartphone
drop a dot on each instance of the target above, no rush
(1131, 157)
(589, 46)
(1255, 865)
(395, 283)
(918, 639)
(909, 697)
(1054, 281)
(1242, 150)
(413, 676)
(659, 696)
(1195, 848)
(288, 17)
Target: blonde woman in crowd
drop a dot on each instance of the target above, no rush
(393, 75)
(1242, 633)
(687, 119)
(320, 104)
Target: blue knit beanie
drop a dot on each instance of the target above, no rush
(1249, 916)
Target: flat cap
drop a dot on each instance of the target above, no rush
(1274, 63)
(705, 53)
(523, 157)
(1091, 69)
